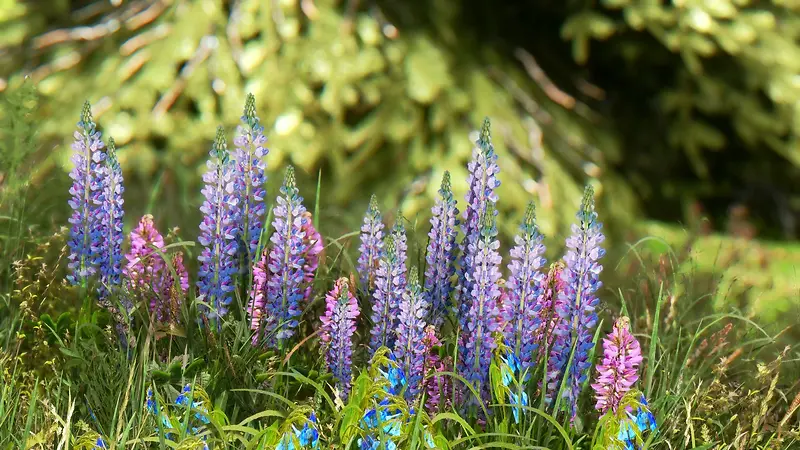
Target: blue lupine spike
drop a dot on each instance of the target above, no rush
(521, 307)
(249, 178)
(482, 182)
(108, 248)
(217, 236)
(371, 248)
(285, 280)
(85, 231)
(483, 318)
(389, 285)
(578, 303)
(441, 252)
(409, 347)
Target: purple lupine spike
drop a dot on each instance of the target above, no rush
(436, 386)
(338, 328)
(389, 285)
(109, 217)
(617, 374)
(521, 307)
(441, 252)
(482, 182)
(286, 259)
(85, 233)
(144, 270)
(258, 295)
(221, 212)
(550, 300)
(371, 245)
(578, 301)
(313, 242)
(409, 347)
(483, 318)
(249, 179)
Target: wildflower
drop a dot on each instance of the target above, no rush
(521, 307)
(578, 300)
(633, 425)
(482, 182)
(258, 294)
(108, 247)
(85, 192)
(476, 351)
(313, 244)
(616, 374)
(389, 285)
(218, 232)
(441, 254)
(249, 178)
(371, 245)
(436, 386)
(158, 410)
(512, 374)
(185, 399)
(410, 347)
(145, 270)
(285, 280)
(338, 328)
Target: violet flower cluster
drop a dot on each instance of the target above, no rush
(436, 387)
(483, 318)
(221, 213)
(85, 193)
(482, 182)
(285, 275)
(390, 281)
(521, 306)
(371, 247)
(441, 252)
(338, 328)
(108, 247)
(617, 373)
(577, 308)
(312, 241)
(249, 179)
(409, 348)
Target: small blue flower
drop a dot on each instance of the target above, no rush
(100, 443)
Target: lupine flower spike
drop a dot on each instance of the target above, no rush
(338, 328)
(258, 295)
(314, 247)
(220, 211)
(371, 247)
(389, 285)
(476, 352)
(86, 189)
(400, 245)
(617, 373)
(249, 179)
(436, 386)
(441, 252)
(521, 306)
(285, 275)
(409, 347)
(577, 308)
(109, 218)
(482, 182)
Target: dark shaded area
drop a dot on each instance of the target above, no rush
(634, 70)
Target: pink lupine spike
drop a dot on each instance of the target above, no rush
(618, 371)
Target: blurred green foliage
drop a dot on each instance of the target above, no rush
(375, 107)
